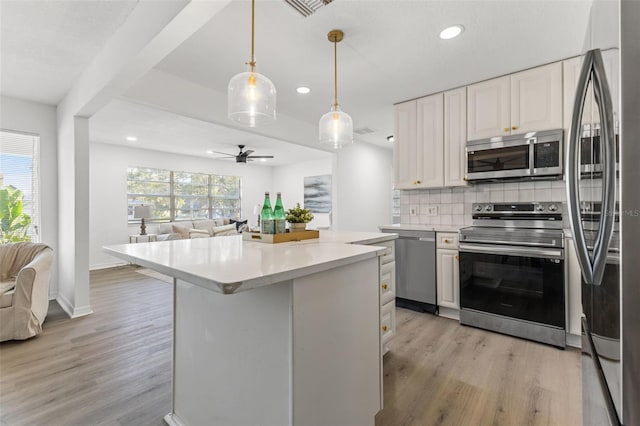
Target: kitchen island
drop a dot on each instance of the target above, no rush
(271, 334)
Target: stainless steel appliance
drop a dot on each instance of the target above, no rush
(512, 271)
(590, 149)
(533, 155)
(415, 269)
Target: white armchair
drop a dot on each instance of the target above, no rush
(24, 307)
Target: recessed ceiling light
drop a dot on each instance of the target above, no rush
(390, 138)
(451, 32)
(132, 138)
(209, 151)
(303, 90)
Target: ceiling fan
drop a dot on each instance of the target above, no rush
(243, 156)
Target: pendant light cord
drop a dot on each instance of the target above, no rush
(335, 73)
(252, 63)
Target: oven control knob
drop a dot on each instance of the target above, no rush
(540, 207)
(552, 208)
(488, 208)
(478, 208)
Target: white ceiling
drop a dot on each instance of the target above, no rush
(45, 45)
(391, 52)
(165, 131)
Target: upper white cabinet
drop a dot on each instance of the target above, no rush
(418, 150)
(455, 136)
(405, 148)
(527, 101)
(488, 111)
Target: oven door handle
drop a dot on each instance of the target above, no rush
(512, 251)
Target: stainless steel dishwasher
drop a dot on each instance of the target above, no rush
(415, 269)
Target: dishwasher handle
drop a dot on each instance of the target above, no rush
(425, 239)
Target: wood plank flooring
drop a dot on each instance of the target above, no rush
(113, 368)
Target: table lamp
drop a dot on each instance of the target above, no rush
(142, 212)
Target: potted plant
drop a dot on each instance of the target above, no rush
(298, 218)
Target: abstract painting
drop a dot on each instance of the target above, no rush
(317, 193)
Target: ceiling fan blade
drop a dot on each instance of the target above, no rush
(224, 153)
(246, 153)
(224, 158)
(261, 156)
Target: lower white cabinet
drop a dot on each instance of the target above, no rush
(447, 275)
(387, 295)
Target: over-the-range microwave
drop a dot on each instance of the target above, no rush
(533, 155)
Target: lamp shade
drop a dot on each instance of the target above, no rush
(336, 128)
(251, 99)
(141, 212)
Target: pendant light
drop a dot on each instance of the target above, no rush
(336, 127)
(251, 97)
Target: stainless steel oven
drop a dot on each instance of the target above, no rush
(518, 157)
(512, 271)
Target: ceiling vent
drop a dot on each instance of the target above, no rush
(307, 7)
(363, 130)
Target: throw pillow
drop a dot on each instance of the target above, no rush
(182, 230)
(241, 225)
(225, 230)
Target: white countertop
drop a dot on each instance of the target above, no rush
(435, 228)
(230, 265)
(355, 237)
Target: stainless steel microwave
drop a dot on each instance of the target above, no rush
(533, 155)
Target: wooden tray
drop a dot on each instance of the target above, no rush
(280, 238)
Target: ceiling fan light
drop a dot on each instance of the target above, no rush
(251, 99)
(336, 128)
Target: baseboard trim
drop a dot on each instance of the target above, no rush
(107, 265)
(73, 312)
(450, 313)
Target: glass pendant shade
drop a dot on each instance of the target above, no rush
(251, 99)
(336, 128)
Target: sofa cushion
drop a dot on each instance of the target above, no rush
(204, 224)
(230, 229)
(182, 230)
(165, 228)
(241, 225)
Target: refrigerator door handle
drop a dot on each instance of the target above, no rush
(592, 269)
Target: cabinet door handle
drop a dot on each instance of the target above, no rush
(384, 328)
(514, 127)
(418, 182)
(446, 241)
(384, 286)
(457, 257)
(506, 129)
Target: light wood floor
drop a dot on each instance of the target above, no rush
(113, 368)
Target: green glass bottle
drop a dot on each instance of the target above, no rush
(266, 216)
(279, 216)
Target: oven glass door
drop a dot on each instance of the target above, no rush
(517, 286)
(498, 159)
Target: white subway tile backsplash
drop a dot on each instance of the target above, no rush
(446, 209)
(424, 198)
(511, 185)
(457, 197)
(542, 194)
(468, 208)
(469, 197)
(445, 191)
(497, 196)
(434, 198)
(457, 219)
(558, 194)
(446, 219)
(494, 187)
(558, 184)
(542, 185)
(525, 185)
(525, 195)
(457, 208)
(446, 197)
(404, 209)
(511, 195)
(483, 197)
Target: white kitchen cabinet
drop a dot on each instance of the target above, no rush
(419, 151)
(447, 275)
(455, 137)
(387, 283)
(405, 149)
(387, 287)
(526, 101)
(488, 109)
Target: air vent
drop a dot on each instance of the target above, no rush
(307, 7)
(363, 131)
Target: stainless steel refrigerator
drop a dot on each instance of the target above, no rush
(603, 194)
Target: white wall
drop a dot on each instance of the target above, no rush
(364, 183)
(33, 117)
(108, 190)
(289, 180)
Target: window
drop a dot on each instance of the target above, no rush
(178, 196)
(19, 187)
